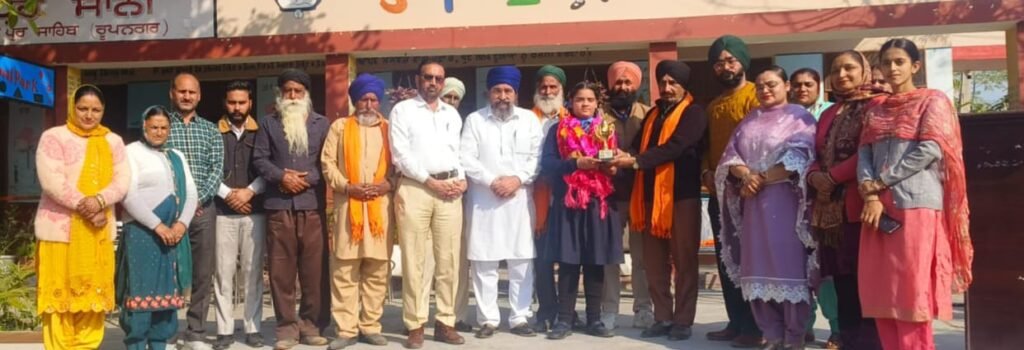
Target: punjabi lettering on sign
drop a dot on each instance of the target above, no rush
(119, 8)
(103, 30)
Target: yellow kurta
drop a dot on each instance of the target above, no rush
(337, 178)
(724, 113)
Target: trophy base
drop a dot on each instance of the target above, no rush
(605, 155)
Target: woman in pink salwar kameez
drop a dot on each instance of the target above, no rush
(911, 171)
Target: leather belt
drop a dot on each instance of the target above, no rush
(451, 174)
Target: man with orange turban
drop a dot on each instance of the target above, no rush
(624, 80)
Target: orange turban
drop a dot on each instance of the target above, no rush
(629, 69)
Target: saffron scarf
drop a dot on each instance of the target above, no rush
(542, 189)
(928, 115)
(352, 150)
(664, 177)
(86, 241)
(575, 142)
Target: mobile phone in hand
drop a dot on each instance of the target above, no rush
(888, 225)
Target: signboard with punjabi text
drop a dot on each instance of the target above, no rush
(63, 21)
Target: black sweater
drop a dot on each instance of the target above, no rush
(685, 147)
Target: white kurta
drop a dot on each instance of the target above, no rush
(500, 228)
(152, 181)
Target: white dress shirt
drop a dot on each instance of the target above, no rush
(500, 228)
(151, 182)
(425, 141)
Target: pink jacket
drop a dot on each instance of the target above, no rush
(59, 160)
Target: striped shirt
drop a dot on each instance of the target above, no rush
(203, 147)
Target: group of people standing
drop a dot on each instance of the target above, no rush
(864, 208)
(861, 203)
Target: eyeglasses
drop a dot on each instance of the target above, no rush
(431, 77)
(731, 61)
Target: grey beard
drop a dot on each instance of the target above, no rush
(367, 118)
(502, 112)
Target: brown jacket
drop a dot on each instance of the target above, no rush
(626, 130)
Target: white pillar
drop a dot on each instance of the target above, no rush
(939, 72)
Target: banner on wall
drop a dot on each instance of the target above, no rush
(25, 128)
(78, 21)
(26, 82)
(239, 18)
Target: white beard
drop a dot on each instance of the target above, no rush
(293, 117)
(549, 105)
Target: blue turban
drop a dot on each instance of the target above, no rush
(366, 83)
(504, 75)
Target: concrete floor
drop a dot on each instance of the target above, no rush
(710, 316)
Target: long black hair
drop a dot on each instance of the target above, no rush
(906, 45)
(781, 72)
(806, 71)
(86, 90)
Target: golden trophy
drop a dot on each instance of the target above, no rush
(604, 133)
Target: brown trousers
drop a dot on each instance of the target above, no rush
(297, 247)
(680, 251)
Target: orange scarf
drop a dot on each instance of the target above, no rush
(542, 189)
(352, 151)
(664, 177)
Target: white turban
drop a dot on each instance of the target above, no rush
(453, 84)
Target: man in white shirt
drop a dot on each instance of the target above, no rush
(500, 150)
(428, 203)
(241, 226)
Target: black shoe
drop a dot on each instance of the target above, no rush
(341, 343)
(486, 331)
(373, 339)
(658, 329)
(523, 330)
(254, 340)
(223, 342)
(680, 332)
(541, 326)
(560, 330)
(577, 323)
(463, 327)
(598, 329)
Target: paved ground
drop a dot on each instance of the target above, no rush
(710, 316)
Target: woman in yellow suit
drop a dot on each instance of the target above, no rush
(83, 173)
